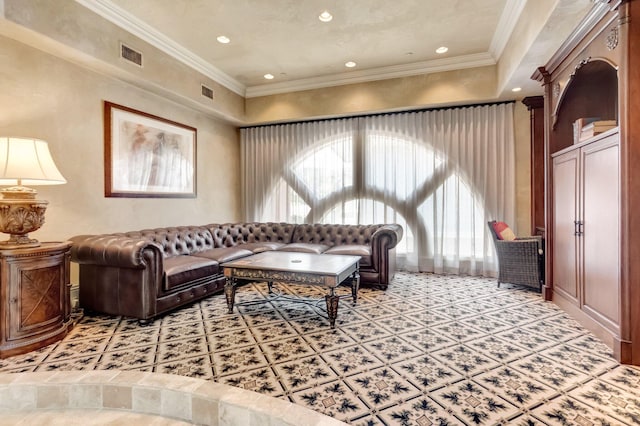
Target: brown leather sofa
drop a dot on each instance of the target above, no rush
(143, 274)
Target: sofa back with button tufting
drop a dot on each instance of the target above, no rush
(232, 234)
(332, 235)
(177, 240)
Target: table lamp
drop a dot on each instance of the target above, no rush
(24, 161)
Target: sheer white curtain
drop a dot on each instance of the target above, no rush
(441, 174)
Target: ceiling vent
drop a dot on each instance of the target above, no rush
(207, 92)
(130, 54)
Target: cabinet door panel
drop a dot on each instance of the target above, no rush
(565, 250)
(601, 243)
(37, 296)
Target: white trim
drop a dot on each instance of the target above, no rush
(506, 24)
(382, 73)
(135, 26)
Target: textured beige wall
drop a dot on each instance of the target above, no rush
(534, 15)
(49, 98)
(466, 87)
(71, 31)
(542, 26)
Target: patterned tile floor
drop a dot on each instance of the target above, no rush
(430, 350)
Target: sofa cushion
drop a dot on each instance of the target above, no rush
(224, 254)
(503, 231)
(304, 248)
(353, 250)
(179, 270)
(260, 247)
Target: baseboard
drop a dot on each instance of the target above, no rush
(587, 322)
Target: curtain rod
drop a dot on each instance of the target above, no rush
(379, 114)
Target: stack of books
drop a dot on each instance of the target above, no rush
(596, 127)
(588, 127)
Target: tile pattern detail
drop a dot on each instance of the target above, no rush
(430, 350)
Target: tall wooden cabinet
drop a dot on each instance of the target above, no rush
(586, 228)
(592, 188)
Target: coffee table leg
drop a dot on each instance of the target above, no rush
(332, 307)
(355, 285)
(270, 286)
(230, 292)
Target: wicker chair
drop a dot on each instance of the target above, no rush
(520, 261)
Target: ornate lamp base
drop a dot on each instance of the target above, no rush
(18, 217)
(19, 241)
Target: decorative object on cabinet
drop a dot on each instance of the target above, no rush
(36, 307)
(592, 234)
(520, 260)
(147, 156)
(595, 128)
(579, 124)
(24, 162)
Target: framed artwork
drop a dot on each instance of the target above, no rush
(147, 156)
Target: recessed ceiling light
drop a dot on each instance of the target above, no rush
(350, 64)
(223, 39)
(325, 16)
(268, 76)
(516, 89)
(442, 49)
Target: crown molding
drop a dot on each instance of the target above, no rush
(382, 73)
(138, 28)
(506, 24)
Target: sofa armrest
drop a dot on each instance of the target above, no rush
(383, 253)
(392, 234)
(115, 251)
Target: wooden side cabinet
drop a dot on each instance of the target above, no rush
(35, 305)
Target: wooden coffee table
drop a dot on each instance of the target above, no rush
(324, 270)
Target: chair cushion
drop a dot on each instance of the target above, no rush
(353, 250)
(179, 270)
(503, 231)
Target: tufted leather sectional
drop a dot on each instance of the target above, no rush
(143, 274)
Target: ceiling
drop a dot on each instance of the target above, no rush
(286, 39)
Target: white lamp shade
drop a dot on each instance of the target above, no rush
(27, 162)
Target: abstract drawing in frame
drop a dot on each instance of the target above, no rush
(147, 156)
